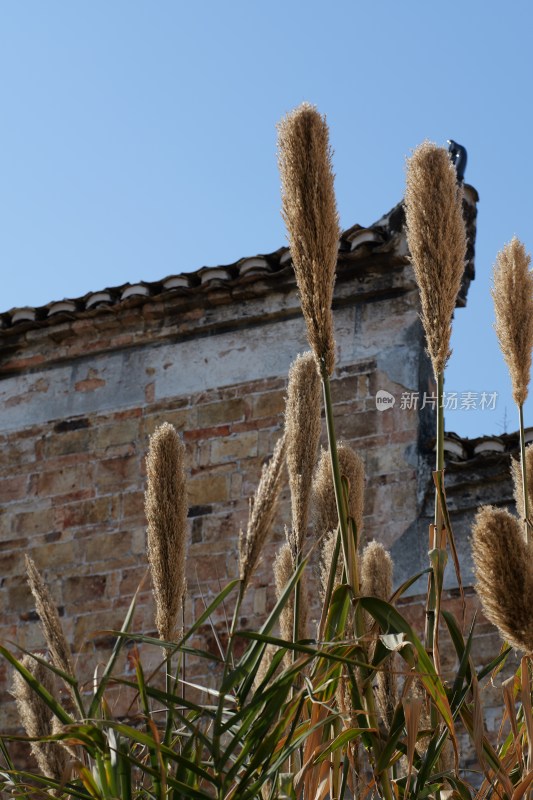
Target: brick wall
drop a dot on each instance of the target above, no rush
(81, 393)
(80, 396)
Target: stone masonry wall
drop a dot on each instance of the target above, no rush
(80, 397)
(81, 393)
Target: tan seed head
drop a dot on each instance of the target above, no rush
(166, 513)
(284, 568)
(512, 293)
(302, 431)
(310, 213)
(262, 511)
(376, 581)
(49, 618)
(504, 574)
(376, 571)
(36, 718)
(437, 242)
(353, 470)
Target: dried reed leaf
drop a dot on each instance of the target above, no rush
(312, 779)
(521, 789)
(310, 213)
(166, 513)
(412, 709)
(525, 696)
(512, 293)
(437, 242)
(509, 701)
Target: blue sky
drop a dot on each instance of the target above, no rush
(138, 138)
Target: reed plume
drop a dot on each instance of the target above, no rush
(516, 471)
(284, 568)
(262, 511)
(36, 718)
(302, 431)
(437, 242)
(376, 581)
(353, 471)
(166, 513)
(49, 618)
(376, 571)
(504, 574)
(512, 293)
(310, 213)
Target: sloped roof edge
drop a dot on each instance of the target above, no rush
(460, 450)
(385, 235)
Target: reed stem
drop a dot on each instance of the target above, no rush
(439, 465)
(524, 476)
(350, 559)
(348, 539)
(330, 586)
(296, 615)
(433, 602)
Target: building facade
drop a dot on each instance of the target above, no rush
(83, 384)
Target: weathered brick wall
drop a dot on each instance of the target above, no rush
(81, 392)
(80, 397)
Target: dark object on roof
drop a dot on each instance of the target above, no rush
(458, 154)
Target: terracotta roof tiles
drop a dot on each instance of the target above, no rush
(384, 236)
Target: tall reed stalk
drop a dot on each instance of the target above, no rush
(512, 293)
(437, 243)
(310, 213)
(166, 514)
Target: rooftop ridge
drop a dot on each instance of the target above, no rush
(355, 242)
(461, 449)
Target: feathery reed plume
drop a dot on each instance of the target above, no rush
(284, 567)
(353, 470)
(512, 293)
(283, 570)
(437, 242)
(262, 510)
(166, 513)
(50, 623)
(310, 213)
(376, 581)
(376, 571)
(504, 574)
(302, 431)
(36, 718)
(516, 471)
